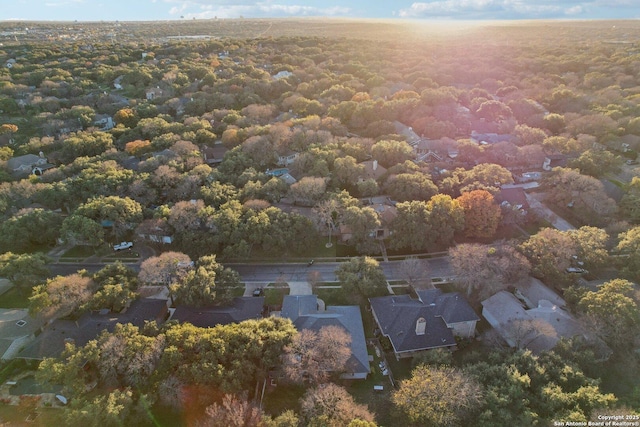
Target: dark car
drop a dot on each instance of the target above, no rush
(258, 292)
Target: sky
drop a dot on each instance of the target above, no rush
(144, 10)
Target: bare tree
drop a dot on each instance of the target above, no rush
(333, 406)
(316, 356)
(234, 411)
(416, 272)
(164, 269)
(525, 331)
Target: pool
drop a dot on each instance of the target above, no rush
(28, 385)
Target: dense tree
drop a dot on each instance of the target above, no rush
(113, 409)
(122, 213)
(412, 226)
(24, 270)
(115, 287)
(629, 246)
(550, 253)
(481, 213)
(613, 312)
(362, 275)
(597, 163)
(437, 396)
(207, 283)
(28, 228)
(308, 191)
(389, 152)
(80, 230)
(362, 224)
(410, 186)
(523, 389)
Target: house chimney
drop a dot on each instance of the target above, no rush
(421, 326)
(375, 164)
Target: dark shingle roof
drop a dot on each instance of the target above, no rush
(303, 312)
(51, 342)
(397, 317)
(243, 308)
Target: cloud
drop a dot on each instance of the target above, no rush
(204, 9)
(63, 3)
(495, 9)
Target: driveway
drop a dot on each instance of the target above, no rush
(534, 200)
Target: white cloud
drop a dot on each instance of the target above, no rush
(493, 9)
(202, 9)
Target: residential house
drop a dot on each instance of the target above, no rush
(372, 170)
(28, 164)
(538, 328)
(554, 160)
(52, 340)
(305, 312)
(155, 230)
(104, 122)
(213, 155)
(153, 93)
(490, 138)
(242, 308)
(17, 329)
(513, 198)
(282, 75)
(432, 320)
(286, 158)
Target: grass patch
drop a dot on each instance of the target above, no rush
(335, 296)
(16, 416)
(14, 298)
(274, 296)
(80, 252)
(283, 397)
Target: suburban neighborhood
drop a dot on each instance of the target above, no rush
(254, 222)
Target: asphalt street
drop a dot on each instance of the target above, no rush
(294, 272)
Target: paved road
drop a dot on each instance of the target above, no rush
(267, 273)
(559, 223)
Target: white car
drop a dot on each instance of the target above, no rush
(122, 246)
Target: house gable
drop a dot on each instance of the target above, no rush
(303, 310)
(444, 315)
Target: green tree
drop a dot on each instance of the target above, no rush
(412, 226)
(629, 246)
(114, 409)
(363, 276)
(390, 152)
(80, 230)
(550, 253)
(613, 312)
(446, 215)
(207, 283)
(28, 228)
(410, 186)
(122, 212)
(362, 223)
(441, 396)
(24, 270)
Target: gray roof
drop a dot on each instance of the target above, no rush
(51, 342)
(303, 312)
(242, 308)
(397, 316)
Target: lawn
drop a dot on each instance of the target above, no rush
(282, 397)
(13, 298)
(273, 296)
(15, 416)
(80, 252)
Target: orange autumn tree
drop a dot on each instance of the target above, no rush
(138, 147)
(481, 213)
